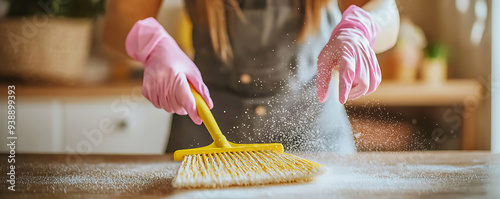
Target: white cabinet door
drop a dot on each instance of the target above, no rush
(115, 126)
(38, 126)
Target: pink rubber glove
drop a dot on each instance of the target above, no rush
(167, 70)
(349, 51)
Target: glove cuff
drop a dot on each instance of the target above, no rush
(144, 37)
(356, 17)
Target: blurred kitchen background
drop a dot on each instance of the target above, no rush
(76, 95)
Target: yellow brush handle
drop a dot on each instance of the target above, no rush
(209, 120)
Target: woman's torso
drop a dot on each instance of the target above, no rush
(267, 92)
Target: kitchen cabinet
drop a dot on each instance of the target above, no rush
(61, 119)
(112, 119)
(38, 125)
(101, 127)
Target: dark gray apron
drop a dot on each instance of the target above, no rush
(267, 93)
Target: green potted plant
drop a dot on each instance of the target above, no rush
(47, 40)
(435, 64)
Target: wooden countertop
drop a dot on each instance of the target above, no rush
(443, 174)
(388, 93)
(448, 93)
(111, 88)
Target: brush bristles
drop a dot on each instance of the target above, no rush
(243, 168)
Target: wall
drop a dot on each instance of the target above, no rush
(495, 127)
(471, 58)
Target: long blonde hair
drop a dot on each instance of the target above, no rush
(213, 14)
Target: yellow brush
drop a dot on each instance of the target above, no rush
(223, 163)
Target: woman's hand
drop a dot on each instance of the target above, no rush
(168, 71)
(350, 52)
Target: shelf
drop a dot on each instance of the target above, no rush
(451, 92)
(112, 88)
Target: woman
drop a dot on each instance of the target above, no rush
(264, 65)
